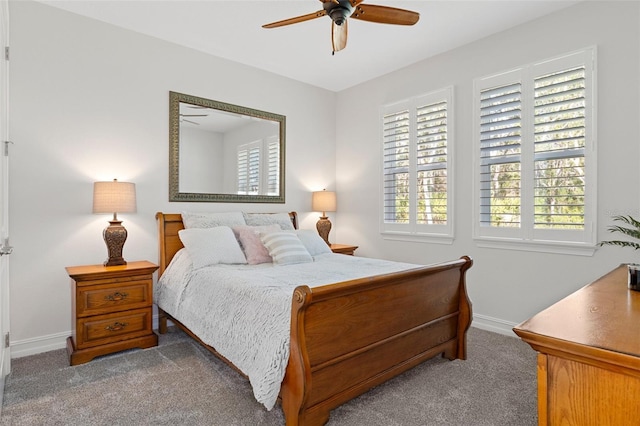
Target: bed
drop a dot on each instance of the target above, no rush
(337, 346)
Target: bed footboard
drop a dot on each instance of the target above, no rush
(349, 337)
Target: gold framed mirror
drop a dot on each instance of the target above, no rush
(219, 152)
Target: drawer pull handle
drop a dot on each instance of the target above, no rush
(117, 296)
(117, 326)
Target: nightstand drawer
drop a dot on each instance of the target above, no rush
(103, 329)
(108, 298)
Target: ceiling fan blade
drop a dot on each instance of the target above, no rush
(385, 15)
(295, 20)
(339, 36)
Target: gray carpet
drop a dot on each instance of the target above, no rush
(180, 383)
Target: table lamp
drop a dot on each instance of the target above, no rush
(114, 197)
(324, 201)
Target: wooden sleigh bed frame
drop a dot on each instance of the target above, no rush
(351, 336)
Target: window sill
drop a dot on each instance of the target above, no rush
(418, 238)
(570, 248)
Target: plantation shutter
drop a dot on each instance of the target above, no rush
(559, 134)
(395, 140)
(243, 177)
(500, 155)
(273, 167)
(249, 169)
(431, 158)
(254, 170)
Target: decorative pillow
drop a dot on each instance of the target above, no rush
(285, 248)
(212, 219)
(210, 246)
(249, 238)
(313, 242)
(260, 219)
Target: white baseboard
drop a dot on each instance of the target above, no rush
(495, 325)
(36, 345)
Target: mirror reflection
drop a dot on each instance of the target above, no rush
(223, 152)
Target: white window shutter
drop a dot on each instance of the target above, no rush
(273, 167)
(559, 132)
(396, 140)
(500, 155)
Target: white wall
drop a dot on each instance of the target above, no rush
(203, 151)
(506, 287)
(90, 102)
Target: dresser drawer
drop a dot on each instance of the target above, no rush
(113, 297)
(103, 329)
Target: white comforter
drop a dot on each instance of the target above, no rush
(244, 311)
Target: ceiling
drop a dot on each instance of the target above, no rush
(232, 30)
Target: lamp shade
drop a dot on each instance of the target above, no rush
(323, 201)
(114, 197)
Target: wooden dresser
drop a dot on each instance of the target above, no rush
(111, 309)
(589, 355)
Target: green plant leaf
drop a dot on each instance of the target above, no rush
(633, 232)
(634, 246)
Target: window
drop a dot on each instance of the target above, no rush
(416, 170)
(249, 169)
(251, 160)
(535, 155)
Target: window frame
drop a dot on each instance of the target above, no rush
(412, 231)
(527, 237)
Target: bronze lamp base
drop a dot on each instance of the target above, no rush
(324, 227)
(114, 236)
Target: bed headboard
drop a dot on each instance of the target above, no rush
(169, 242)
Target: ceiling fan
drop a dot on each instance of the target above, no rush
(340, 10)
(182, 118)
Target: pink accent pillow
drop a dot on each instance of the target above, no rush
(249, 239)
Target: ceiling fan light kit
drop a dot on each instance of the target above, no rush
(339, 13)
(340, 10)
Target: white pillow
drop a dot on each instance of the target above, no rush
(313, 242)
(212, 219)
(210, 246)
(285, 248)
(261, 219)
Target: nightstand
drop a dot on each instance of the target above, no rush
(343, 249)
(111, 309)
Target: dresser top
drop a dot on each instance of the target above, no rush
(86, 271)
(602, 316)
